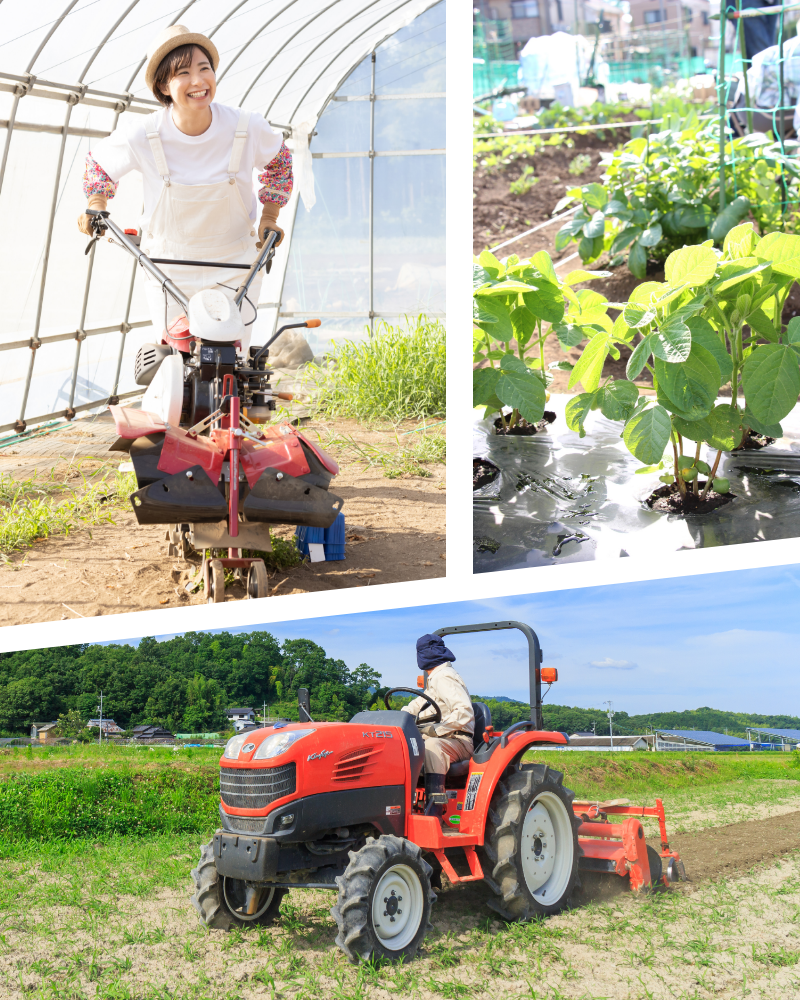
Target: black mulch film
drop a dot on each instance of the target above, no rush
(561, 498)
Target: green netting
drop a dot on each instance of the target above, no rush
(652, 70)
(490, 76)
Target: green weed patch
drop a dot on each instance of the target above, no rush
(76, 802)
(397, 374)
(38, 508)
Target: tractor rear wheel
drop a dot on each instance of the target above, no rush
(531, 843)
(223, 903)
(385, 899)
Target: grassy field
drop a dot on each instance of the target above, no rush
(108, 916)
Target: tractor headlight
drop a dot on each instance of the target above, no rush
(275, 745)
(234, 745)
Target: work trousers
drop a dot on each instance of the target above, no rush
(441, 753)
(759, 32)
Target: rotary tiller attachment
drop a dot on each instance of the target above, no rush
(620, 848)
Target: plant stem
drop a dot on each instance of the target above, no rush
(678, 479)
(711, 475)
(696, 483)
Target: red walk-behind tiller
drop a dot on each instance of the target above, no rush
(340, 806)
(207, 464)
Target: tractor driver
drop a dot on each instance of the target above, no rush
(449, 740)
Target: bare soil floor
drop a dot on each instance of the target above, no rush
(99, 928)
(395, 532)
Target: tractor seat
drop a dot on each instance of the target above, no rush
(483, 718)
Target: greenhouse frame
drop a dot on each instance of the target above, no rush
(356, 87)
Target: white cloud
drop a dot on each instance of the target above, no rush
(609, 664)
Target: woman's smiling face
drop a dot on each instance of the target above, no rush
(193, 87)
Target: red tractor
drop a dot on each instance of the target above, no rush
(340, 806)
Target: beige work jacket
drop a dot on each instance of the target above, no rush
(450, 693)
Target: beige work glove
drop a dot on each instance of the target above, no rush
(268, 220)
(99, 202)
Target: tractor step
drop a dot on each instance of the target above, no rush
(475, 870)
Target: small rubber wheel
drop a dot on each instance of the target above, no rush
(224, 903)
(656, 866)
(216, 582)
(257, 581)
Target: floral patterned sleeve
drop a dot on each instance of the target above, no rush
(276, 178)
(97, 181)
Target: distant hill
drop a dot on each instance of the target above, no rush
(506, 711)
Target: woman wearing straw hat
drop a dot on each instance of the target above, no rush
(197, 159)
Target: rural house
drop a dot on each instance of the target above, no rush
(151, 732)
(43, 731)
(110, 728)
(241, 717)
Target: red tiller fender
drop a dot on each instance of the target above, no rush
(588, 811)
(628, 849)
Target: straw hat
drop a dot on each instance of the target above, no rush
(171, 38)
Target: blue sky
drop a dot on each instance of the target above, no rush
(727, 640)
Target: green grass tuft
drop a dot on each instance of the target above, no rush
(38, 508)
(397, 374)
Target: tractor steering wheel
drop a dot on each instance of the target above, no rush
(437, 712)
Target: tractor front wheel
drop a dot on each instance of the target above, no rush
(531, 843)
(223, 903)
(385, 899)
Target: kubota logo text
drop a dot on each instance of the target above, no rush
(320, 755)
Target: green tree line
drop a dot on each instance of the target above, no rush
(185, 683)
(581, 720)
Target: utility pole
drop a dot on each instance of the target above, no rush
(100, 707)
(610, 722)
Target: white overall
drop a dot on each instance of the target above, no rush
(199, 222)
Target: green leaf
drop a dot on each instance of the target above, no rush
(596, 226)
(577, 410)
(543, 263)
(569, 335)
(729, 217)
(645, 293)
(484, 381)
(693, 430)
(617, 399)
(546, 303)
(672, 341)
(704, 334)
(561, 366)
(521, 388)
(734, 271)
(771, 380)
(578, 275)
(763, 325)
(523, 322)
(740, 241)
(771, 430)
(594, 195)
(691, 386)
(691, 266)
(589, 367)
(639, 356)
(726, 427)
(624, 239)
(651, 236)
(637, 316)
(491, 265)
(721, 484)
(565, 234)
(646, 434)
(637, 261)
(783, 251)
(494, 318)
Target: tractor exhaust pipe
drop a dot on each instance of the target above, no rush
(304, 705)
(535, 657)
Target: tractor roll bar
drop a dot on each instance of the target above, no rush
(535, 657)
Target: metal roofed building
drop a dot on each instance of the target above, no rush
(698, 739)
(588, 741)
(357, 87)
(789, 738)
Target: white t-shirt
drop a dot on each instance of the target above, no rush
(191, 159)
